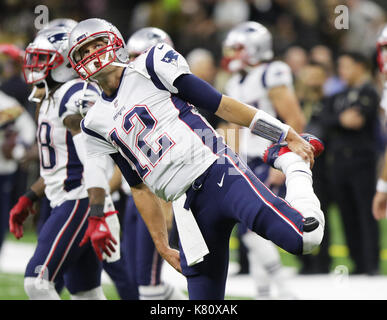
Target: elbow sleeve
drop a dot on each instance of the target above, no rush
(198, 92)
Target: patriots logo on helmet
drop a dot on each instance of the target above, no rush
(170, 57)
(57, 37)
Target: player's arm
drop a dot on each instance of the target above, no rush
(263, 124)
(152, 211)
(288, 109)
(94, 170)
(116, 180)
(284, 100)
(201, 94)
(379, 204)
(96, 183)
(24, 207)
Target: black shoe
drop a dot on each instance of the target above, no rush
(310, 224)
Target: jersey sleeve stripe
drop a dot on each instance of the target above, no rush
(151, 70)
(69, 93)
(199, 126)
(91, 132)
(264, 83)
(130, 176)
(74, 167)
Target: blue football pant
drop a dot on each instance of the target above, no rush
(241, 198)
(58, 253)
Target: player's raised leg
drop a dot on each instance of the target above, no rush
(299, 184)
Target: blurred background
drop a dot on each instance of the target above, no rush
(304, 36)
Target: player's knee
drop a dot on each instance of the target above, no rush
(93, 294)
(40, 289)
(311, 240)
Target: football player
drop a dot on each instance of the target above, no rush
(145, 120)
(379, 205)
(67, 178)
(266, 85)
(146, 263)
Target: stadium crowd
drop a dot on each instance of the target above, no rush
(327, 65)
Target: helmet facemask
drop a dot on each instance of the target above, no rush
(234, 58)
(38, 63)
(92, 63)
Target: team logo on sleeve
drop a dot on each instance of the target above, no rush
(170, 57)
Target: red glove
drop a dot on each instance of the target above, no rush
(100, 236)
(19, 214)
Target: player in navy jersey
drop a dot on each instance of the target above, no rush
(67, 178)
(145, 120)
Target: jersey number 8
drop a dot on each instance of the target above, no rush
(47, 152)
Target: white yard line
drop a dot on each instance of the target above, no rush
(15, 256)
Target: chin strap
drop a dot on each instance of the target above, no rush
(32, 97)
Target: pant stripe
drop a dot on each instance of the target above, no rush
(57, 239)
(71, 243)
(279, 213)
(153, 281)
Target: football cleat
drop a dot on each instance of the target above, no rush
(310, 224)
(278, 149)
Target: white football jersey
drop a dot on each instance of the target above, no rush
(252, 89)
(60, 166)
(153, 135)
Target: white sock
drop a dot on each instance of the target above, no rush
(40, 289)
(162, 291)
(300, 195)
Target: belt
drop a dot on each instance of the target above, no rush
(195, 186)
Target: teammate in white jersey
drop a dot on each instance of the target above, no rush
(379, 205)
(67, 177)
(267, 85)
(145, 121)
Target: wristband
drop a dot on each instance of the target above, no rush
(381, 186)
(96, 210)
(31, 195)
(268, 127)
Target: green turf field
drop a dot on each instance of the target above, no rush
(11, 285)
